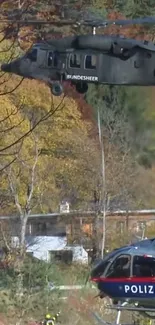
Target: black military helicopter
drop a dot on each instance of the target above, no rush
(127, 276)
(91, 58)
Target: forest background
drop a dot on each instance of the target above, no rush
(49, 147)
(59, 137)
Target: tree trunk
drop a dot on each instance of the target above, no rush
(95, 254)
(23, 223)
(103, 231)
(103, 191)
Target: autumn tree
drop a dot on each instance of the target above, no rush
(66, 145)
(68, 156)
(23, 195)
(135, 9)
(75, 153)
(124, 123)
(56, 159)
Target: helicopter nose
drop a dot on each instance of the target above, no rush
(6, 67)
(12, 67)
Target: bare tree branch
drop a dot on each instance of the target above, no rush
(50, 113)
(13, 113)
(31, 186)
(8, 165)
(14, 191)
(9, 48)
(4, 236)
(12, 127)
(11, 91)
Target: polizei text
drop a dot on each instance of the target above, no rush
(140, 289)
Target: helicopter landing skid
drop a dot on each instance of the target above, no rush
(120, 308)
(103, 322)
(142, 310)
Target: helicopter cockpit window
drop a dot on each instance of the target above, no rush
(53, 58)
(90, 62)
(99, 269)
(32, 55)
(120, 267)
(143, 266)
(75, 61)
(50, 59)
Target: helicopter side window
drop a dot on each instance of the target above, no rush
(143, 266)
(32, 55)
(90, 62)
(75, 61)
(120, 267)
(55, 58)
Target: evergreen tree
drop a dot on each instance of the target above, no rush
(139, 8)
(116, 5)
(131, 8)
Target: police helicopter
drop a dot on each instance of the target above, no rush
(91, 58)
(127, 276)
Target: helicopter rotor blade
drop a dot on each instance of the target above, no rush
(120, 22)
(87, 22)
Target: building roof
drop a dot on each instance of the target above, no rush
(85, 213)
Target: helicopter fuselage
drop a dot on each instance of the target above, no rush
(127, 274)
(134, 290)
(87, 59)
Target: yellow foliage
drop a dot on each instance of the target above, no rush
(8, 50)
(33, 94)
(68, 162)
